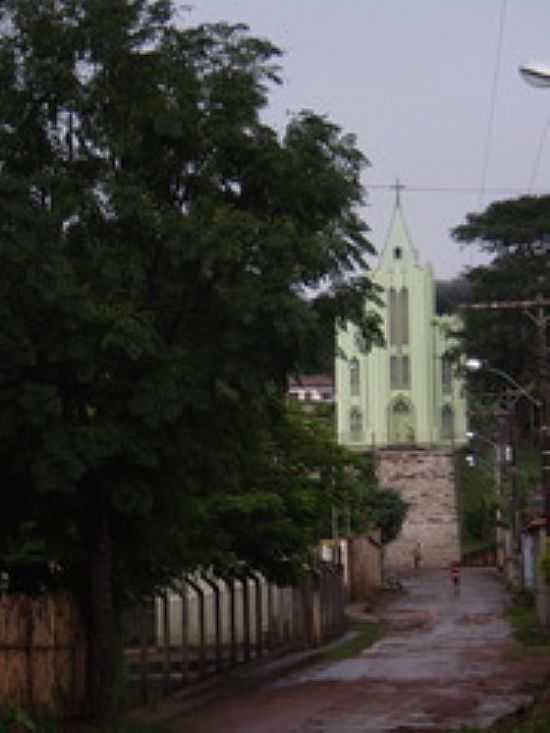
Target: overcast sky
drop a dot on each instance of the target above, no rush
(413, 79)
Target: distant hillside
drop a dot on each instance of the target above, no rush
(449, 294)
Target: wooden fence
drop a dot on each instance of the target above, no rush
(42, 654)
(205, 625)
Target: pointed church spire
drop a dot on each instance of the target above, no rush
(399, 250)
(398, 188)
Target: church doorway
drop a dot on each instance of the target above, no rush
(401, 423)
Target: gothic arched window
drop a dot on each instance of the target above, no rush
(354, 377)
(399, 316)
(446, 375)
(355, 424)
(447, 422)
(400, 375)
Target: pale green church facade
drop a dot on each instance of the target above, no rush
(406, 393)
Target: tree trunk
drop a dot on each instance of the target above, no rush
(102, 638)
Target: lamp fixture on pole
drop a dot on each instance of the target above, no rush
(476, 365)
(536, 73)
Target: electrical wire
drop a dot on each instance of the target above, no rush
(538, 156)
(492, 104)
(455, 189)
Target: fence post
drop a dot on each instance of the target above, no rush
(166, 661)
(217, 619)
(246, 616)
(202, 625)
(259, 614)
(144, 657)
(185, 667)
(230, 584)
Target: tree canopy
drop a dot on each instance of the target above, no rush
(166, 260)
(517, 233)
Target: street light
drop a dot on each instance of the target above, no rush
(536, 73)
(501, 456)
(476, 365)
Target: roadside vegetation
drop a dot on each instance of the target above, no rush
(363, 636)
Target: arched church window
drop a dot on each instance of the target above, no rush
(399, 316)
(397, 253)
(360, 342)
(354, 377)
(400, 372)
(355, 424)
(447, 422)
(404, 315)
(446, 375)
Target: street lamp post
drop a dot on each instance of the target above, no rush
(500, 457)
(477, 365)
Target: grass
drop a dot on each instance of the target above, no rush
(532, 726)
(17, 718)
(366, 634)
(523, 618)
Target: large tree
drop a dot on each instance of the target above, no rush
(166, 260)
(517, 234)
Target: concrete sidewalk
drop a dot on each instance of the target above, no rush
(446, 661)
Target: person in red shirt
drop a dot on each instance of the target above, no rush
(455, 576)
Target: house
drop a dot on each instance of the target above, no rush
(312, 388)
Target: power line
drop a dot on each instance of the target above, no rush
(492, 103)
(536, 162)
(455, 189)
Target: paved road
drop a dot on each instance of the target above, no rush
(446, 662)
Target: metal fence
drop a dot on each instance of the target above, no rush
(204, 625)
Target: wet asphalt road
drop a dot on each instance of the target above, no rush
(446, 662)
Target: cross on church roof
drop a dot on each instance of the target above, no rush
(398, 188)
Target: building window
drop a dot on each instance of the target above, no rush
(399, 316)
(355, 424)
(447, 422)
(446, 375)
(400, 376)
(354, 378)
(360, 342)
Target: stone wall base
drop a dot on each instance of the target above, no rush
(426, 479)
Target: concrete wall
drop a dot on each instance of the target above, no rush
(425, 479)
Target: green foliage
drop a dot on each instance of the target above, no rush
(516, 233)
(523, 617)
(364, 635)
(544, 563)
(478, 502)
(166, 260)
(19, 718)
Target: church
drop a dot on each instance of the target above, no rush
(405, 403)
(406, 393)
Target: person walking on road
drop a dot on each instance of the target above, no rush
(417, 555)
(455, 577)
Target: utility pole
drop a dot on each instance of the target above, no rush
(534, 309)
